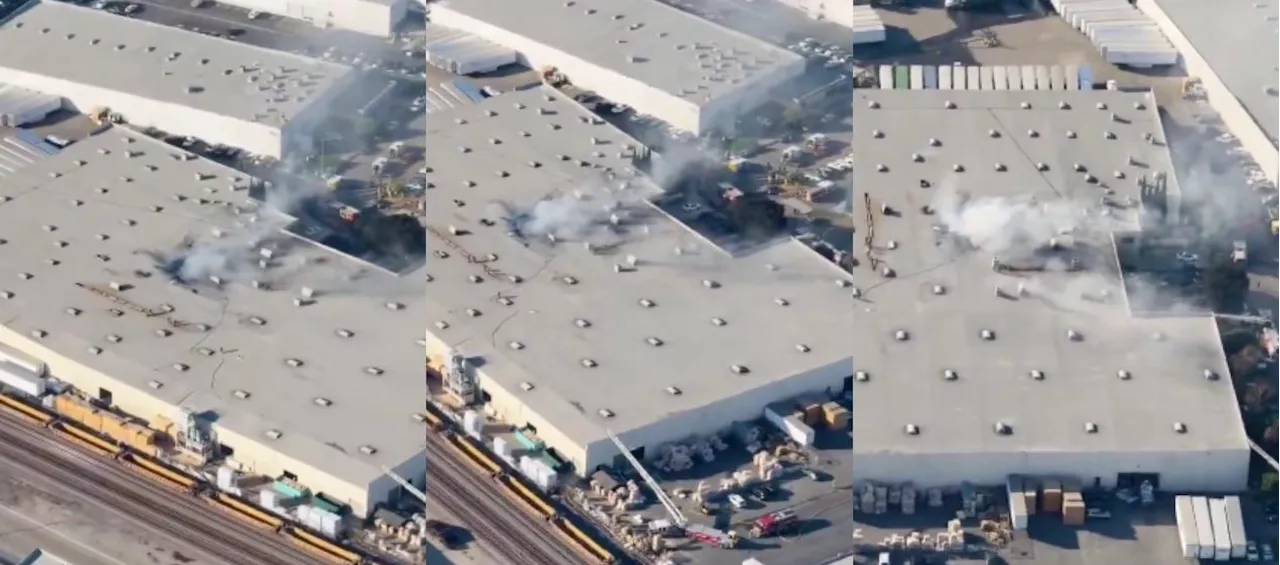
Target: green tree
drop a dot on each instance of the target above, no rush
(1269, 481)
(367, 131)
(793, 119)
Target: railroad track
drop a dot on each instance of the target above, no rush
(165, 510)
(497, 521)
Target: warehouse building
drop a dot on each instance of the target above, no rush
(835, 11)
(263, 101)
(147, 278)
(997, 336)
(1240, 89)
(583, 307)
(372, 17)
(660, 61)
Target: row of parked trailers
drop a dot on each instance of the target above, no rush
(972, 77)
(1121, 33)
(1211, 528)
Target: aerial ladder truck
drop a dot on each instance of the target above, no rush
(699, 532)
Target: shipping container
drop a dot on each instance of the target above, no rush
(1001, 76)
(886, 77)
(1235, 526)
(1204, 526)
(1029, 77)
(1188, 535)
(975, 77)
(18, 377)
(1018, 511)
(917, 77)
(987, 76)
(1221, 532)
(901, 77)
(1072, 73)
(931, 77)
(780, 416)
(1013, 75)
(959, 78)
(944, 78)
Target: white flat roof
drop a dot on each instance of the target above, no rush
(512, 163)
(1240, 58)
(103, 209)
(943, 292)
(92, 47)
(674, 52)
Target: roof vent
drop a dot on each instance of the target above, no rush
(718, 322)
(1090, 428)
(645, 302)
(911, 429)
(901, 335)
(1074, 335)
(1210, 374)
(442, 325)
(516, 345)
(1003, 428)
(781, 302)
(739, 369)
(368, 449)
(157, 385)
(950, 375)
(292, 362)
(654, 341)
(589, 363)
(674, 391)
(274, 434)
(526, 386)
(181, 367)
(473, 312)
(605, 413)
(1124, 375)
(861, 376)
(802, 348)
(241, 394)
(374, 371)
(582, 323)
(710, 283)
(322, 402)
(987, 335)
(113, 338)
(1036, 374)
(1179, 427)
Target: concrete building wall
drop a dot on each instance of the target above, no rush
(254, 137)
(1237, 119)
(683, 114)
(1223, 470)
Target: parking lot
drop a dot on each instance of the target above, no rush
(812, 482)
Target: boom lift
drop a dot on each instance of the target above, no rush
(704, 534)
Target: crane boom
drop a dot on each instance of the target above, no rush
(676, 515)
(406, 484)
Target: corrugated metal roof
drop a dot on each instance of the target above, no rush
(19, 105)
(20, 149)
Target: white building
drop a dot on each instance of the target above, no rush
(969, 372)
(326, 390)
(263, 101)
(679, 68)
(372, 17)
(686, 339)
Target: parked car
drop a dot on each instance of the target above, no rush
(1251, 551)
(737, 501)
(1098, 514)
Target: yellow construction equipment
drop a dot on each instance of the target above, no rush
(552, 77)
